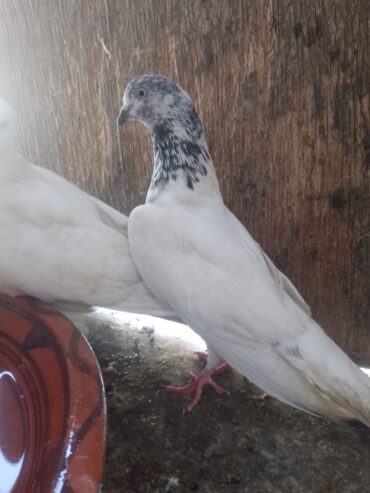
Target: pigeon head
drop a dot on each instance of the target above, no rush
(161, 105)
(181, 157)
(7, 126)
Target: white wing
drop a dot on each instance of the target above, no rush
(210, 270)
(213, 272)
(60, 244)
(284, 284)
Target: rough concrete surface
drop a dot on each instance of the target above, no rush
(230, 443)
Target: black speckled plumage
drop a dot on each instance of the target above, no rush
(172, 155)
(178, 144)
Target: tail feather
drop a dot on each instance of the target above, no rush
(141, 300)
(138, 300)
(312, 374)
(275, 375)
(340, 382)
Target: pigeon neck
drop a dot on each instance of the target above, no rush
(181, 161)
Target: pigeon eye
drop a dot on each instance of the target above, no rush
(141, 93)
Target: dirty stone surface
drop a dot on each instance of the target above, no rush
(232, 443)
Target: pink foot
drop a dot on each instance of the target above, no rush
(196, 384)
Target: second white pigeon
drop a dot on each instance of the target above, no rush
(60, 244)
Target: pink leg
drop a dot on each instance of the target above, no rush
(203, 356)
(196, 384)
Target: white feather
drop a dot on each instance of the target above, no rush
(60, 244)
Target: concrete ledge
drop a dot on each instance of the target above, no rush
(235, 443)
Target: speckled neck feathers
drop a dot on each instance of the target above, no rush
(180, 150)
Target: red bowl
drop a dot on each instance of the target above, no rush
(52, 406)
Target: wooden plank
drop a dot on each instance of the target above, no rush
(283, 90)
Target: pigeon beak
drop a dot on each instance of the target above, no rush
(124, 115)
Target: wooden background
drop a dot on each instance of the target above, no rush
(283, 90)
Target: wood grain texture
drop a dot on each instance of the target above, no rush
(283, 90)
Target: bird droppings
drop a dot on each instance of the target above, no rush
(230, 444)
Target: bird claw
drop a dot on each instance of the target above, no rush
(197, 383)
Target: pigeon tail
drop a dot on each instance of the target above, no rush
(334, 376)
(311, 374)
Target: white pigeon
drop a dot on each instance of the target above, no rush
(193, 252)
(60, 244)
